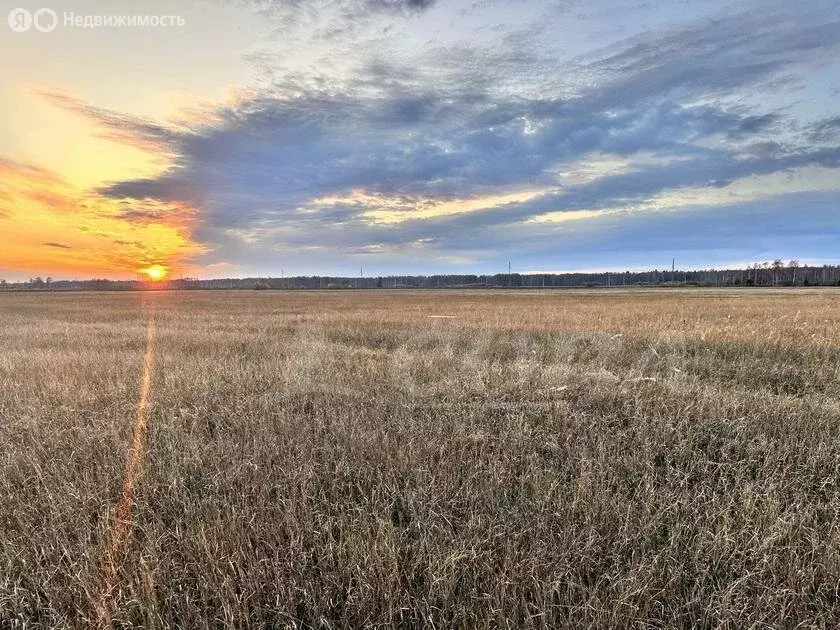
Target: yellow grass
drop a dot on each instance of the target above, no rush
(613, 459)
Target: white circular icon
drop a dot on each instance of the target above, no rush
(20, 20)
(45, 20)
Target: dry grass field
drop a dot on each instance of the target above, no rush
(593, 459)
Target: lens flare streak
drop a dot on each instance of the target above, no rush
(119, 534)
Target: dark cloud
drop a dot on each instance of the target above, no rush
(151, 215)
(404, 5)
(826, 130)
(58, 245)
(751, 125)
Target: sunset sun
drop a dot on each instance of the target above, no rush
(155, 272)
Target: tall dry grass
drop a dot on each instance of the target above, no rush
(639, 459)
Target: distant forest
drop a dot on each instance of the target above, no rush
(770, 274)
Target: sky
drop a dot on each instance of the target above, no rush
(313, 137)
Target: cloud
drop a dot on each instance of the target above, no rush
(125, 129)
(404, 5)
(826, 130)
(48, 224)
(446, 124)
(714, 55)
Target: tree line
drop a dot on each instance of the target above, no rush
(762, 274)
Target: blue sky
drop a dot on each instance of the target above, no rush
(421, 137)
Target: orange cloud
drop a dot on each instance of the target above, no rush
(49, 226)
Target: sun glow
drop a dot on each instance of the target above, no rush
(155, 272)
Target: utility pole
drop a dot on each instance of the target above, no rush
(509, 278)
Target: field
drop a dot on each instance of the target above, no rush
(590, 459)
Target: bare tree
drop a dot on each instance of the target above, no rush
(794, 265)
(778, 265)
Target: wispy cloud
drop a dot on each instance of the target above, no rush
(123, 128)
